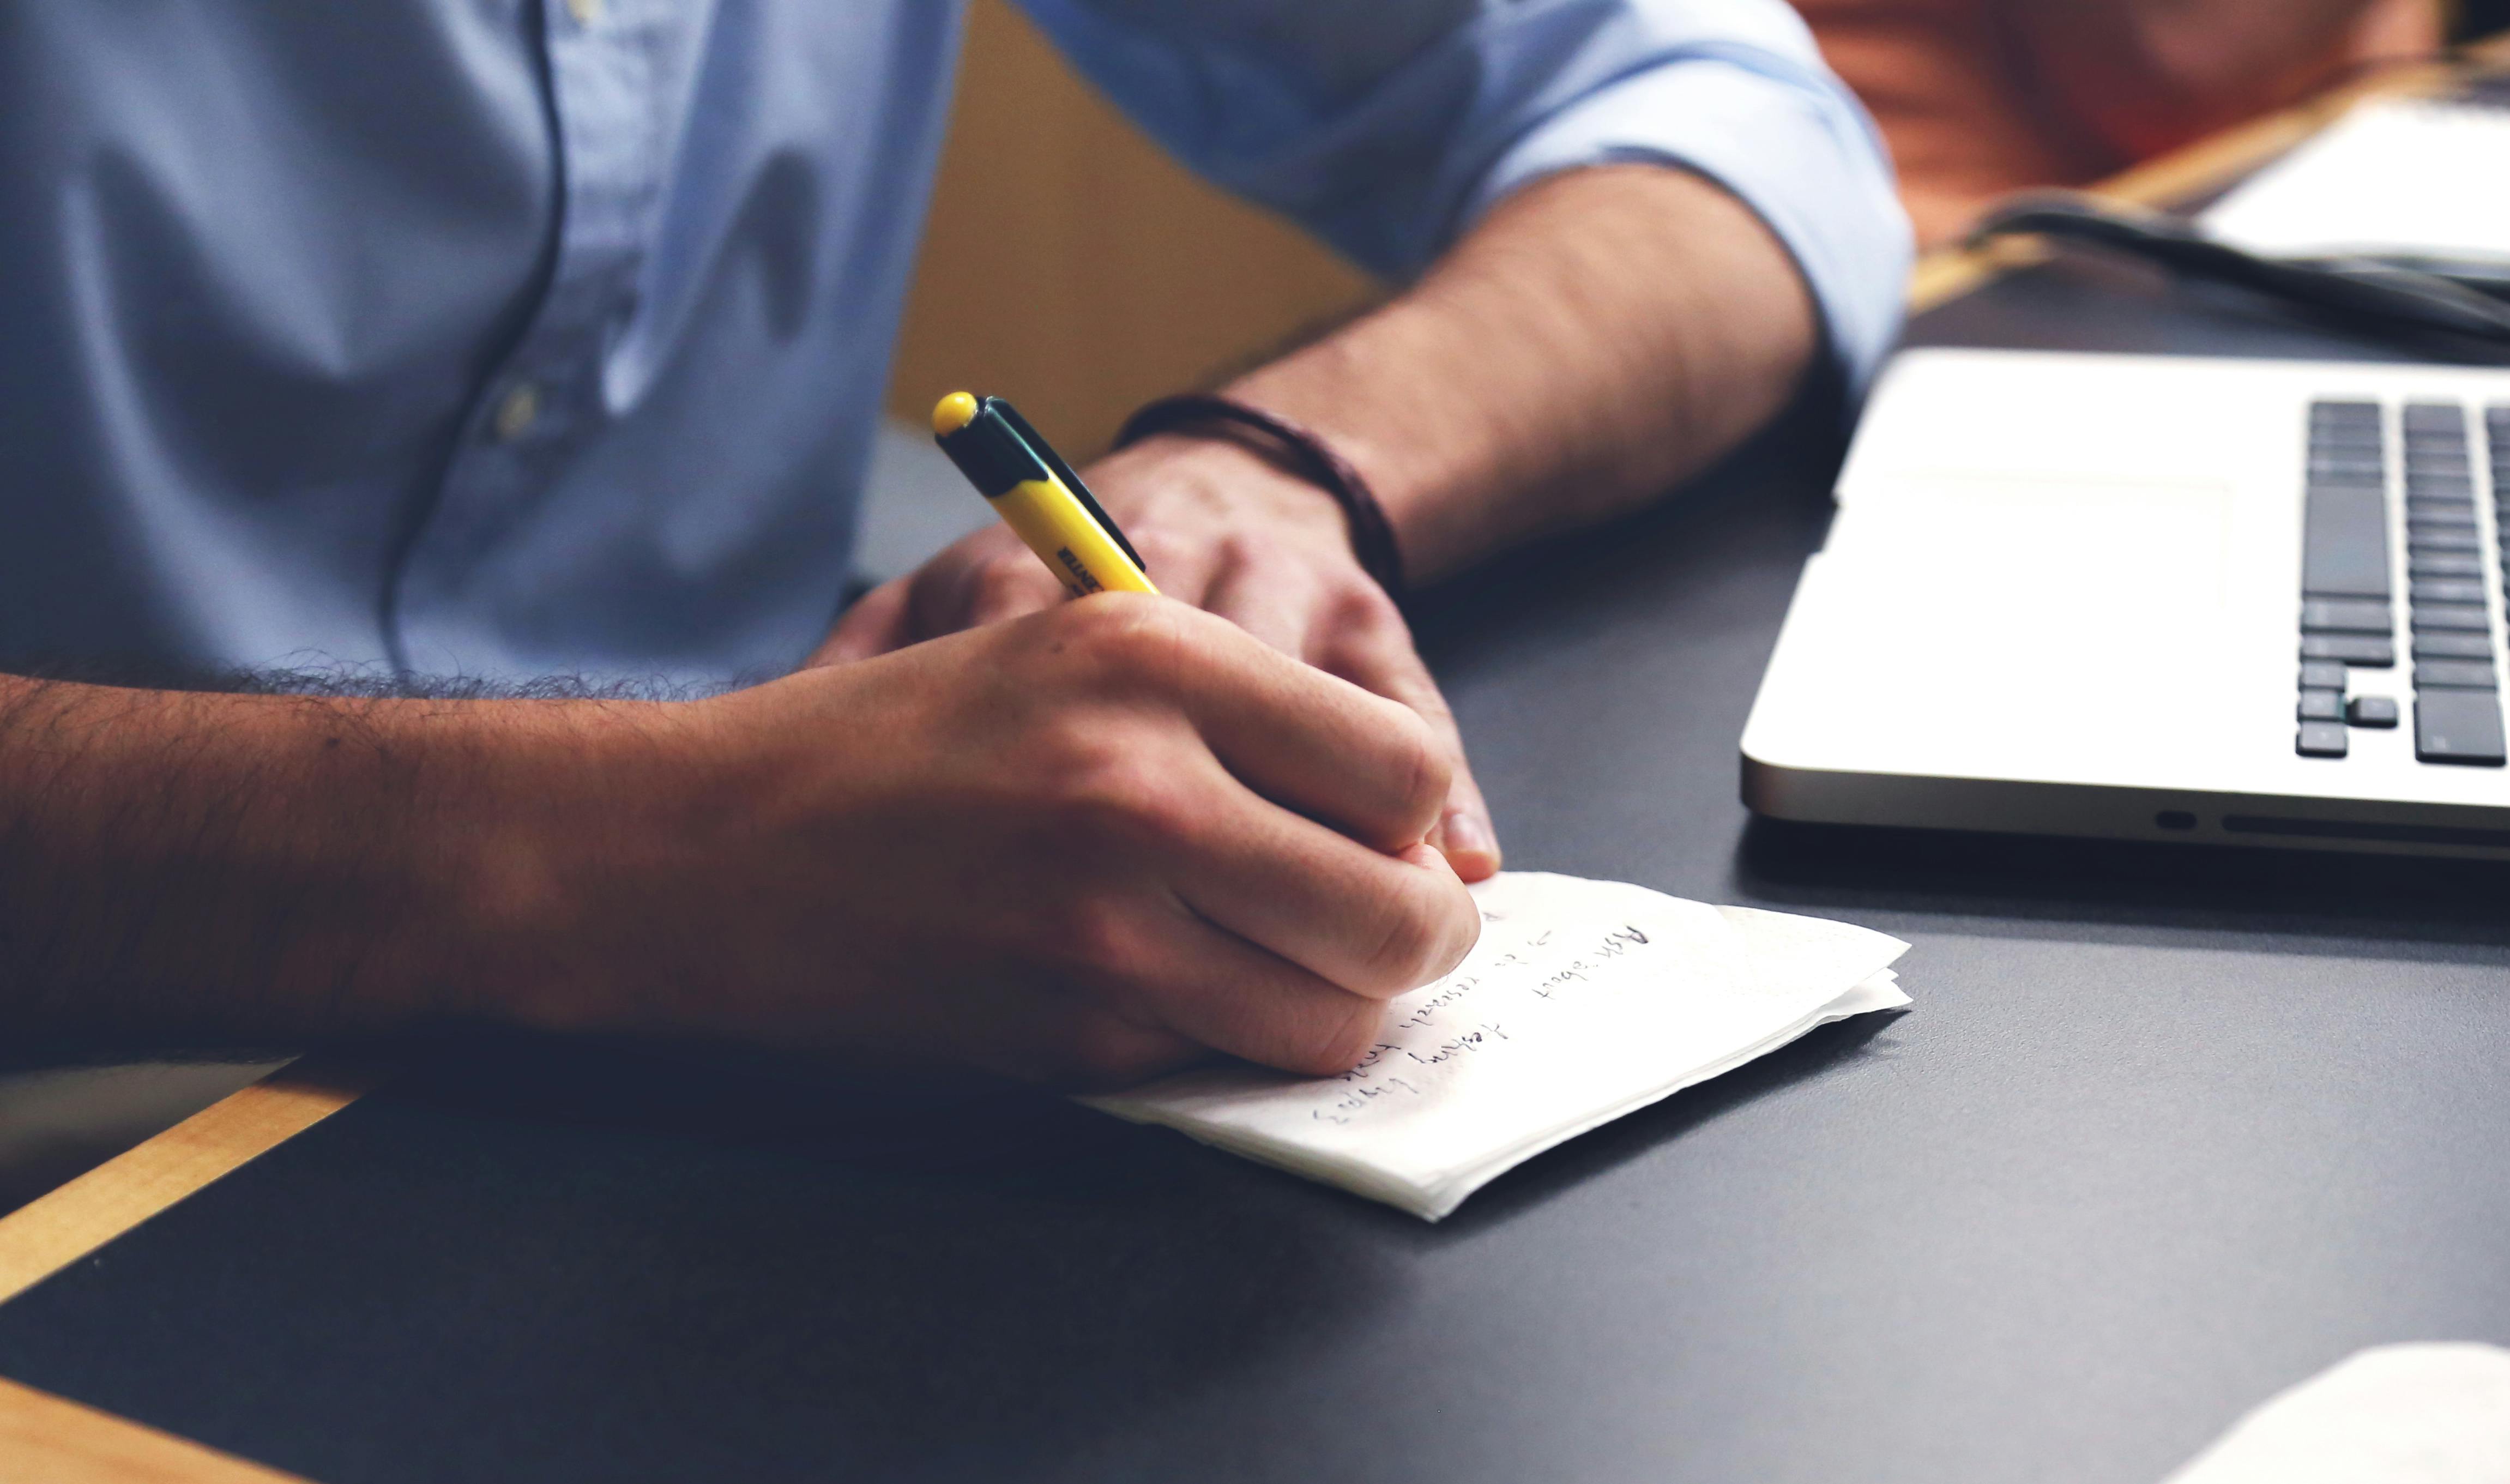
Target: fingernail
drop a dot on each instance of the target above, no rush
(1466, 835)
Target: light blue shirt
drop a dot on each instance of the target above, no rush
(509, 337)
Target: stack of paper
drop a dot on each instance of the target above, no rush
(2412, 179)
(2393, 1414)
(1583, 1001)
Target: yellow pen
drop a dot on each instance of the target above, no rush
(1037, 495)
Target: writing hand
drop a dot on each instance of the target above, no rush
(1223, 530)
(1078, 846)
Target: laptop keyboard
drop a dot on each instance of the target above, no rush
(2350, 608)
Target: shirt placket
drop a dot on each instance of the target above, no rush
(545, 400)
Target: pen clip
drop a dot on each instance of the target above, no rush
(1046, 455)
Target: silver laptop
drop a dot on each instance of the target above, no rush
(2157, 598)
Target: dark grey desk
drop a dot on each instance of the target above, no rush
(2164, 1132)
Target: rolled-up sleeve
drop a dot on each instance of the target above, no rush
(1388, 125)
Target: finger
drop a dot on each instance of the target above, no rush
(1311, 742)
(1377, 654)
(874, 625)
(1009, 586)
(983, 579)
(1372, 924)
(1213, 986)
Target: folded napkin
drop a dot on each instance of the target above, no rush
(1583, 1001)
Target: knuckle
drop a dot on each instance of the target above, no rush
(1422, 765)
(1161, 550)
(1364, 607)
(999, 581)
(1097, 940)
(1409, 952)
(1001, 569)
(1124, 639)
(1420, 940)
(1121, 801)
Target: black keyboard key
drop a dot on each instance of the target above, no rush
(2459, 727)
(2348, 481)
(2371, 711)
(2323, 739)
(2446, 564)
(2351, 648)
(2432, 514)
(2321, 675)
(2455, 675)
(2457, 618)
(2452, 646)
(2347, 466)
(2423, 535)
(2447, 589)
(2346, 542)
(2434, 417)
(2322, 705)
(2346, 615)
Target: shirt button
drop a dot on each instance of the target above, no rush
(517, 411)
(585, 12)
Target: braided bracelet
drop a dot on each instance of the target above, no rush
(1297, 451)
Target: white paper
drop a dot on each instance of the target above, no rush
(1583, 1001)
(2397, 1414)
(2390, 178)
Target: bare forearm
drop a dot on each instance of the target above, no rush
(1600, 336)
(197, 869)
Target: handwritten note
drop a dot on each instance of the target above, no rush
(1583, 1001)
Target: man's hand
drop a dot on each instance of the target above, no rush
(1222, 529)
(1599, 336)
(1080, 847)
(1076, 848)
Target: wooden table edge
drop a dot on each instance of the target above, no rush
(43, 1436)
(56, 1230)
(82, 1445)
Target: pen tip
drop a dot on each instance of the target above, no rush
(952, 413)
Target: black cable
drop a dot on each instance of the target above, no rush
(2376, 294)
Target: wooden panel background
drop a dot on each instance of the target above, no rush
(1074, 268)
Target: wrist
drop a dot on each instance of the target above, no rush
(1290, 448)
(1197, 477)
(561, 865)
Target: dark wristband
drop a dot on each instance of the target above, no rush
(1297, 451)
